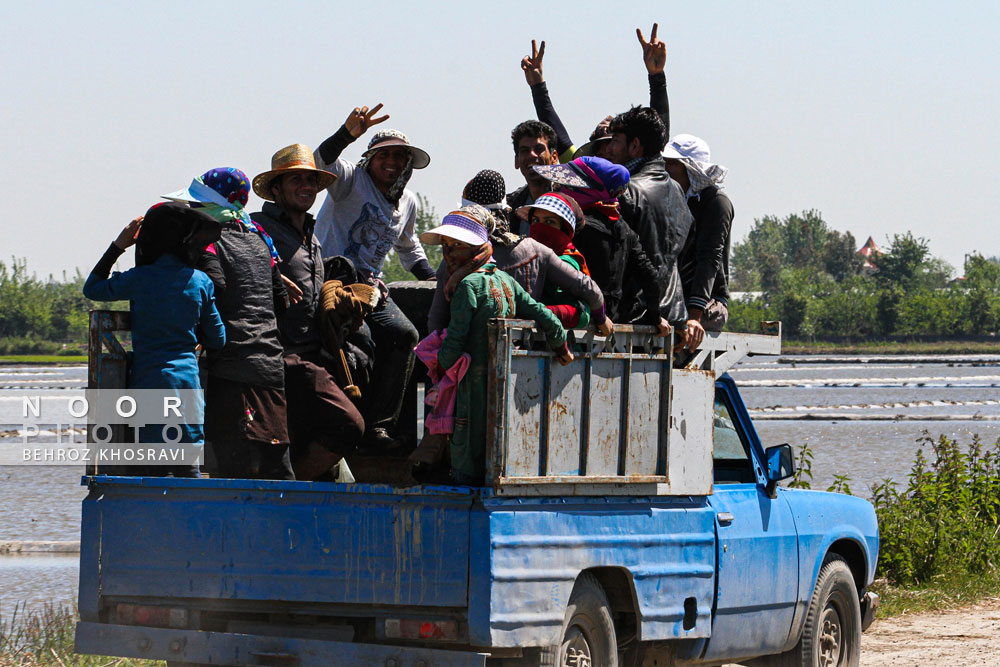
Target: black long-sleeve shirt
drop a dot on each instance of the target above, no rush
(704, 260)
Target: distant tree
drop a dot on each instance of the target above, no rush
(840, 255)
(392, 269)
(982, 289)
(797, 241)
(907, 264)
(982, 273)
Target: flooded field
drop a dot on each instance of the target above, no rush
(860, 417)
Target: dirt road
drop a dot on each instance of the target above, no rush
(954, 638)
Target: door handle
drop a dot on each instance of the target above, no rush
(725, 517)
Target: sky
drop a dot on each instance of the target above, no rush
(882, 116)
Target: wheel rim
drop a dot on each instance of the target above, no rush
(576, 649)
(831, 637)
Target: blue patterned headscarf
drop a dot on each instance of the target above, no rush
(229, 189)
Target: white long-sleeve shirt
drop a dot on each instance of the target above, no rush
(357, 221)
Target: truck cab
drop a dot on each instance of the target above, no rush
(631, 515)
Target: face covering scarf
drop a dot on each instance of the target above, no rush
(556, 239)
(463, 260)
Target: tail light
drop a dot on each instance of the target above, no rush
(156, 617)
(411, 628)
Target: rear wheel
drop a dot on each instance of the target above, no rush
(588, 634)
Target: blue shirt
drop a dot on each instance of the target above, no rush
(169, 302)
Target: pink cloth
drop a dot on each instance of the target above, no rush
(445, 390)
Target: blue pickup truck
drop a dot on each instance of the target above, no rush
(631, 516)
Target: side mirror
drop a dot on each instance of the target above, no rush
(780, 465)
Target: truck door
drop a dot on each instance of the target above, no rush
(757, 544)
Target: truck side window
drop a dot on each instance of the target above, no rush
(732, 463)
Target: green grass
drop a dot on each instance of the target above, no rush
(59, 359)
(45, 637)
(942, 593)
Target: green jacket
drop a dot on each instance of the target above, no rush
(481, 296)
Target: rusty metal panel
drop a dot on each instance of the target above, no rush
(643, 416)
(689, 456)
(614, 419)
(524, 416)
(566, 399)
(606, 401)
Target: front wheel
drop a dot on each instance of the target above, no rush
(588, 635)
(831, 636)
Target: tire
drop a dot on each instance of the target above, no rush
(831, 636)
(588, 632)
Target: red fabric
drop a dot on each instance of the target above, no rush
(610, 211)
(568, 315)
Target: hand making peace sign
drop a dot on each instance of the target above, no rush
(532, 65)
(359, 120)
(654, 52)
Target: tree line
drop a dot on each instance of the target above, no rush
(37, 316)
(811, 277)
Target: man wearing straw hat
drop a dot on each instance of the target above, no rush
(368, 212)
(322, 421)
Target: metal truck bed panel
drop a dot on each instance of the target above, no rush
(602, 417)
(281, 541)
(533, 550)
(227, 648)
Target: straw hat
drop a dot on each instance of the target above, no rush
(297, 157)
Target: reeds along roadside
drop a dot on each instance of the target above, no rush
(44, 636)
(946, 522)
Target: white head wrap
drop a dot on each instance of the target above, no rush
(694, 153)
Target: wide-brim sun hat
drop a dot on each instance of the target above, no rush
(297, 157)
(563, 174)
(589, 149)
(459, 225)
(390, 138)
(586, 173)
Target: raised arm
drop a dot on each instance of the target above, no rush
(99, 286)
(532, 67)
(654, 57)
(357, 123)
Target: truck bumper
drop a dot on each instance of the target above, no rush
(869, 603)
(225, 648)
